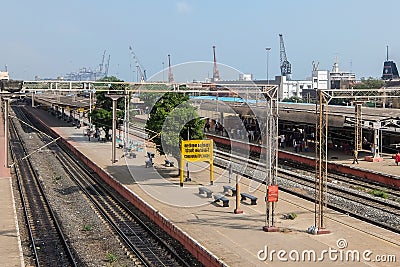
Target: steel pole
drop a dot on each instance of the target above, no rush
(114, 130)
(6, 141)
(90, 109)
(268, 49)
(128, 119)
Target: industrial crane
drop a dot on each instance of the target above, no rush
(102, 62)
(140, 70)
(107, 66)
(286, 67)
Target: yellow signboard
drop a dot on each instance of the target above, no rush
(81, 109)
(197, 150)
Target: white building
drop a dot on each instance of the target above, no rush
(290, 88)
(341, 79)
(321, 79)
(245, 77)
(4, 75)
(305, 89)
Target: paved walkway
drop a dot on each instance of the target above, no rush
(10, 249)
(238, 239)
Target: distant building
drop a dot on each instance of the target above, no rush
(245, 77)
(341, 79)
(305, 89)
(390, 71)
(290, 88)
(4, 75)
(320, 80)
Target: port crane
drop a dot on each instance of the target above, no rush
(140, 70)
(286, 67)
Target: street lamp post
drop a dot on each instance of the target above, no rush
(114, 98)
(90, 108)
(6, 141)
(268, 49)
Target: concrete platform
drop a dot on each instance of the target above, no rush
(239, 239)
(10, 245)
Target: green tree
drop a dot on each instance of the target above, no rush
(102, 113)
(369, 83)
(293, 99)
(171, 120)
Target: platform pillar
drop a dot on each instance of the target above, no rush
(33, 99)
(237, 209)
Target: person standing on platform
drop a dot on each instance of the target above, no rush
(355, 156)
(397, 158)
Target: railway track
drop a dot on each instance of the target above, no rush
(48, 243)
(352, 182)
(137, 236)
(356, 204)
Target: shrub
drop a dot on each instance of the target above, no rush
(88, 227)
(378, 193)
(110, 257)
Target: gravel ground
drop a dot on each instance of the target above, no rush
(89, 236)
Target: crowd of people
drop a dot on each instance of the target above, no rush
(247, 129)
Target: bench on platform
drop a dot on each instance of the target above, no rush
(169, 163)
(228, 188)
(148, 163)
(205, 190)
(246, 196)
(225, 201)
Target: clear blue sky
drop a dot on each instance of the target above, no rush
(50, 38)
